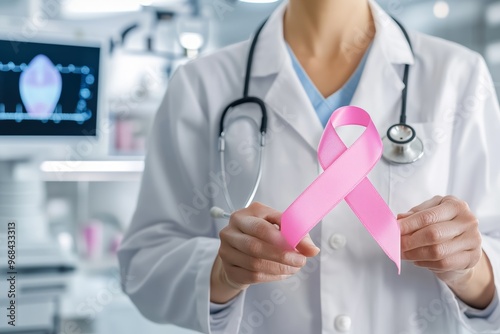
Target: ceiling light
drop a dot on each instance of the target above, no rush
(492, 53)
(191, 40)
(493, 14)
(86, 7)
(441, 9)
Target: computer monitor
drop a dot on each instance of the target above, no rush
(48, 89)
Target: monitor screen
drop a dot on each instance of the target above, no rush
(48, 89)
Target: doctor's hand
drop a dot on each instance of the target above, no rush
(442, 235)
(249, 253)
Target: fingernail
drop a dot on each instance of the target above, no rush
(309, 241)
(297, 259)
(404, 215)
(316, 248)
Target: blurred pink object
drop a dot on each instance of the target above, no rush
(115, 243)
(92, 235)
(124, 135)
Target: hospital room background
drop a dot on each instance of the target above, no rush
(70, 182)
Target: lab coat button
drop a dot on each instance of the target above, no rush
(337, 241)
(343, 323)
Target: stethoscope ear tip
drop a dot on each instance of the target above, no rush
(217, 212)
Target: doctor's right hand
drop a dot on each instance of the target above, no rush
(249, 253)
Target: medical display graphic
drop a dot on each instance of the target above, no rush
(40, 85)
(48, 89)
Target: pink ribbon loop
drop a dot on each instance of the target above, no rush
(345, 177)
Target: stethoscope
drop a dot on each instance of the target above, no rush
(401, 144)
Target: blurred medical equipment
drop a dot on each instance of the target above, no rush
(191, 32)
(41, 269)
(50, 91)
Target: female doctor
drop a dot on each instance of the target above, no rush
(311, 57)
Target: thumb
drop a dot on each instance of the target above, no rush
(273, 217)
(307, 247)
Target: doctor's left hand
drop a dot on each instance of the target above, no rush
(442, 235)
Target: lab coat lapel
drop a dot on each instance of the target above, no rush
(379, 90)
(285, 97)
(288, 100)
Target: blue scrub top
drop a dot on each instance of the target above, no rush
(324, 107)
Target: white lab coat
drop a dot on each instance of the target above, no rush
(169, 249)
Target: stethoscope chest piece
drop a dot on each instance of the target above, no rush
(401, 145)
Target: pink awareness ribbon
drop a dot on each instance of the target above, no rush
(345, 177)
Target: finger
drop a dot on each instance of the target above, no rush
(460, 261)
(307, 247)
(435, 201)
(273, 217)
(432, 235)
(245, 261)
(243, 276)
(262, 250)
(404, 215)
(259, 228)
(440, 251)
(442, 212)
(265, 212)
